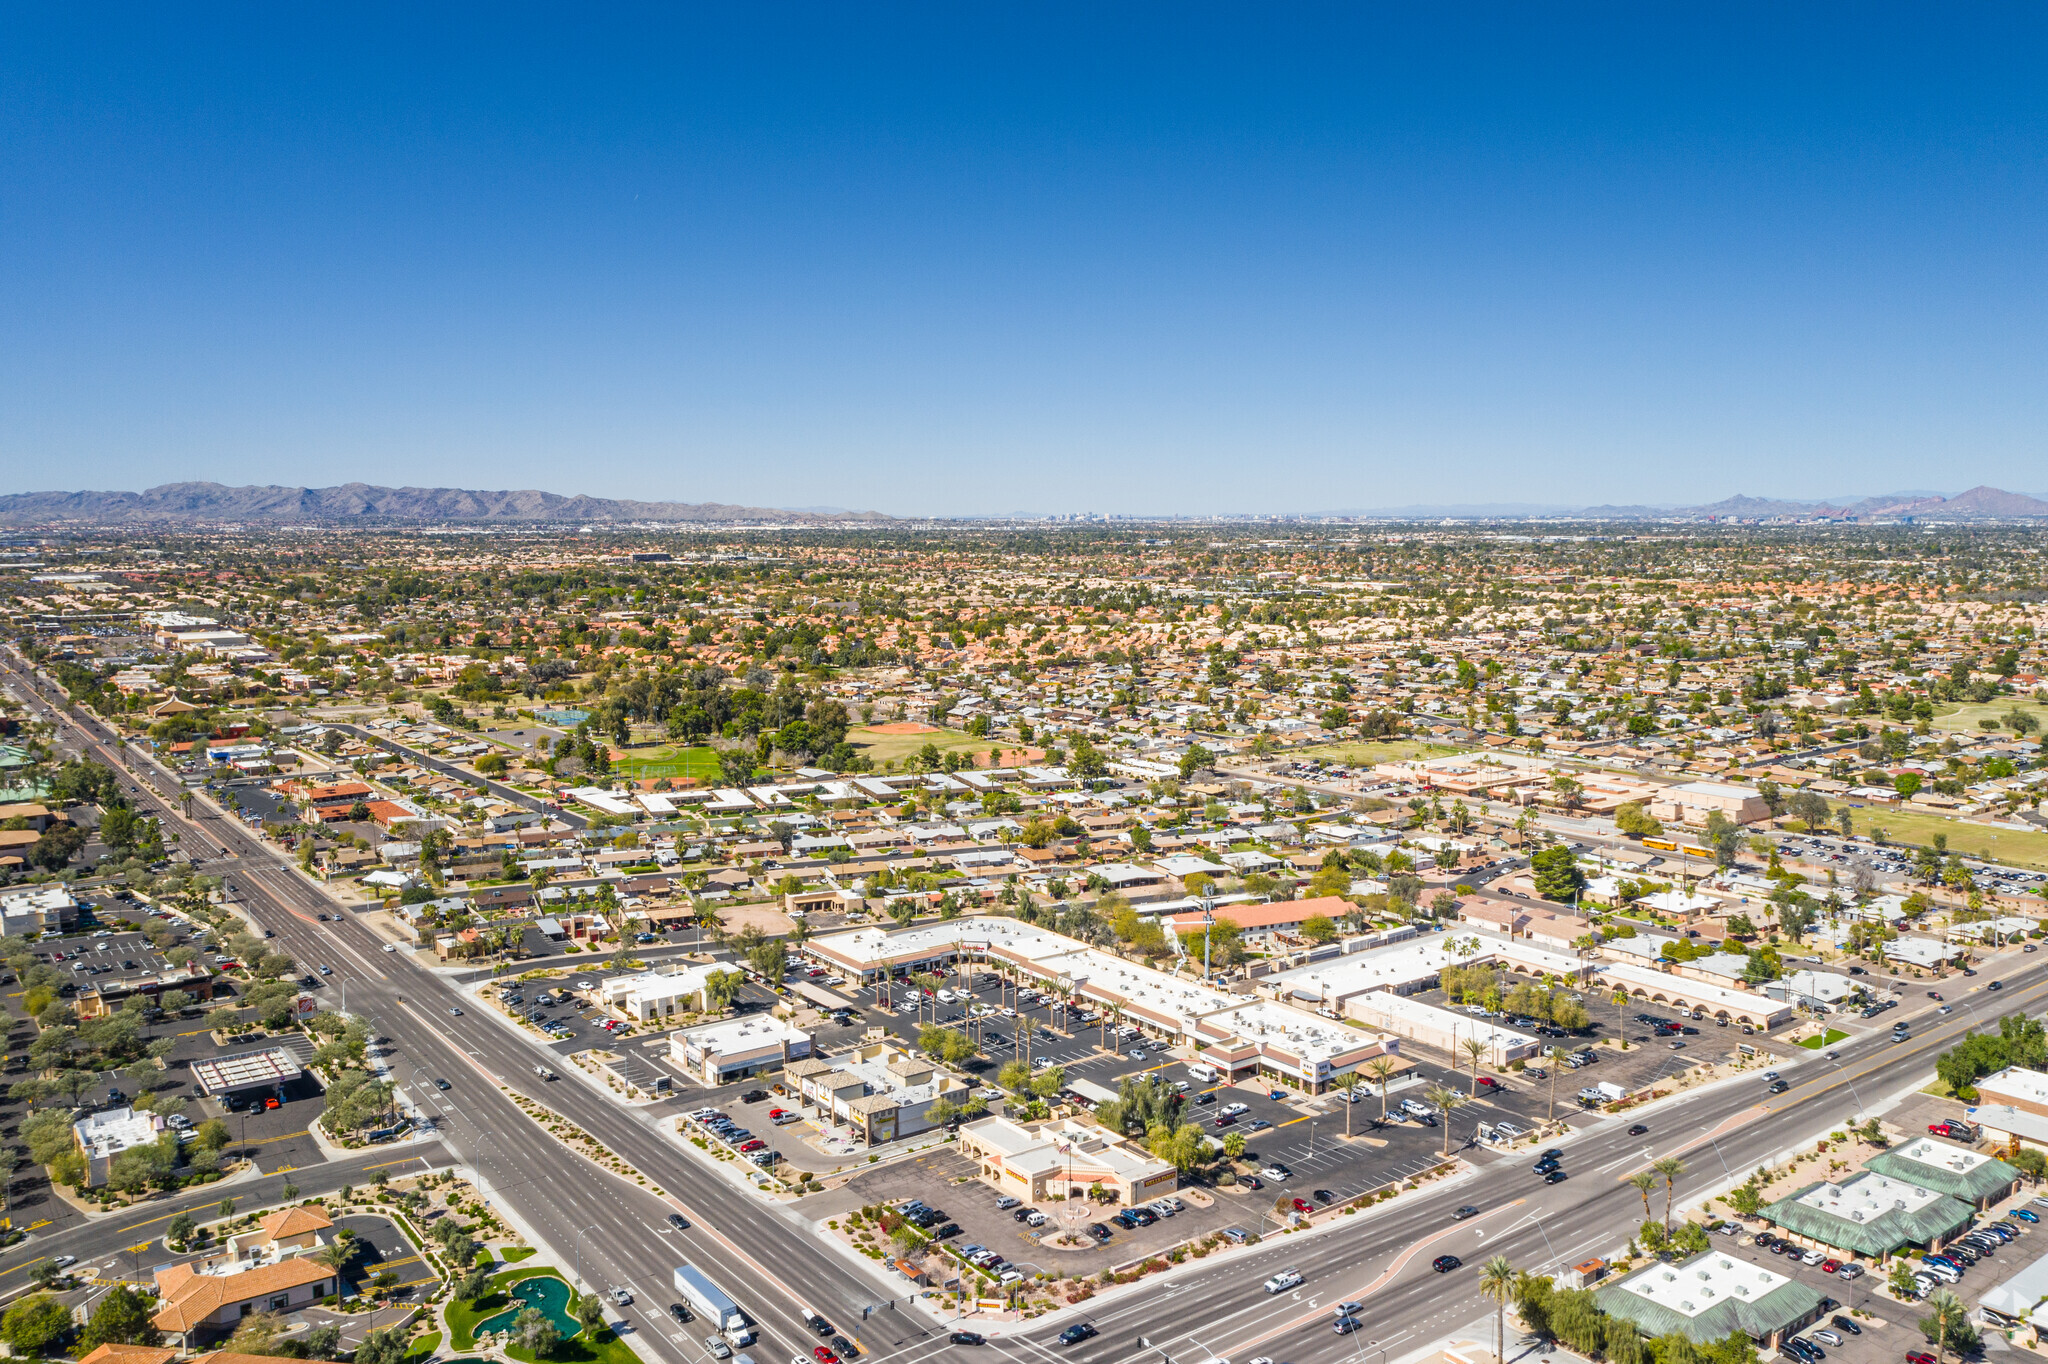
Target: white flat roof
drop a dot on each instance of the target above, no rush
(1702, 1284)
(1867, 1197)
(750, 1033)
(1928, 1151)
(2017, 1082)
(1449, 1020)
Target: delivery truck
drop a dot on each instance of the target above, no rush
(712, 1304)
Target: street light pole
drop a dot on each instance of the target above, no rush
(579, 1254)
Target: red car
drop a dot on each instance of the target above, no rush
(1488, 1082)
(1947, 1129)
(824, 1356)
(1919, 1357)
(1830, 1266)
(755, 1145)
(1302, 1205)
(774, 1113)
(269, 1103)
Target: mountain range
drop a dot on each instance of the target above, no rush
(365, 504)
(362, 503)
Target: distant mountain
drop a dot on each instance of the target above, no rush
(1979, 503)
(175, 503)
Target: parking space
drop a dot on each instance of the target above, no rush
(944, 1181)
(384, 1250)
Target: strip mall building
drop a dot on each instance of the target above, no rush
(1238, 1034)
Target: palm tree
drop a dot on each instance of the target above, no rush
(1476, 1050)
(1620, 1002)
(1556, 1057)
(1644, 1182)
(1381, 1068)
(1946, 1314)
(1497, 1281)
(1445, 1099)
(1671, 1167)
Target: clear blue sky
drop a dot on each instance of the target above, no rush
(967, 258)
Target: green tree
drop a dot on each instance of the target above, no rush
(34, 1324)
(534, 1332)
(1947, 1325)
(1497, 1281)
(1557, 873)
(122, 1318)
(590, 1313)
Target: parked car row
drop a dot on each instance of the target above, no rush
(720, 1128)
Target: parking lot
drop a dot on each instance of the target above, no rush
(937, 1179)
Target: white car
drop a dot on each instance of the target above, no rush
(1277, 1172)
(622, 1297)
(1284, 1280)
(1232, 1110)
(1813, 1257)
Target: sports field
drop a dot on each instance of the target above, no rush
(1365, 752)
(2017, 847)
(674, 761)
(884, 744)
(1965, 717)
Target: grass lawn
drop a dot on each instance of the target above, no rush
(1832, 1036)
(605, 1349)
(424, 1346)
(1360, 752)
(2021, 848)
(462, 1317)
(1963, 717)
(516, 1254)
(882, 749)
(670, 760)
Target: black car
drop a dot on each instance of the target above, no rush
(439, 1083)
(1444, 1264)
(947, 1232)
(1555, 1177)
(1992, 985)
(1076, 1333)
(678, 1221)
(820, 1325)
(679, 1312)
(1637, 1130)
(846, 1348)
(966, 1338)
(1467, 1211)
(1021, 1213)
(753, 1096)
(1553, 1154)
(1844, 1324)
(1545, 1165)
(1778, 1087)
(1099, 1232)
(1323, 1196)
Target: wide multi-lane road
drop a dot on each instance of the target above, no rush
(772, 1261)
(767, 1257)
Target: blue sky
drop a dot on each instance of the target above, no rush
(962, 259)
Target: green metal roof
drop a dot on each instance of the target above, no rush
(1878, 1235)
(1790, 1304)
(1989, 1180)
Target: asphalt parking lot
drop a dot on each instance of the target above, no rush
(384, 1249)
(934, 1177)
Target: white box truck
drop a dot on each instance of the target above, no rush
(712, 1304)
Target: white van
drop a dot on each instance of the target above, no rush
(1206, 1074)
(948, 997)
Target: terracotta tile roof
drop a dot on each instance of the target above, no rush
(112, 1353)
(233, 1357)
(190, 1299)
(294, 1221)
